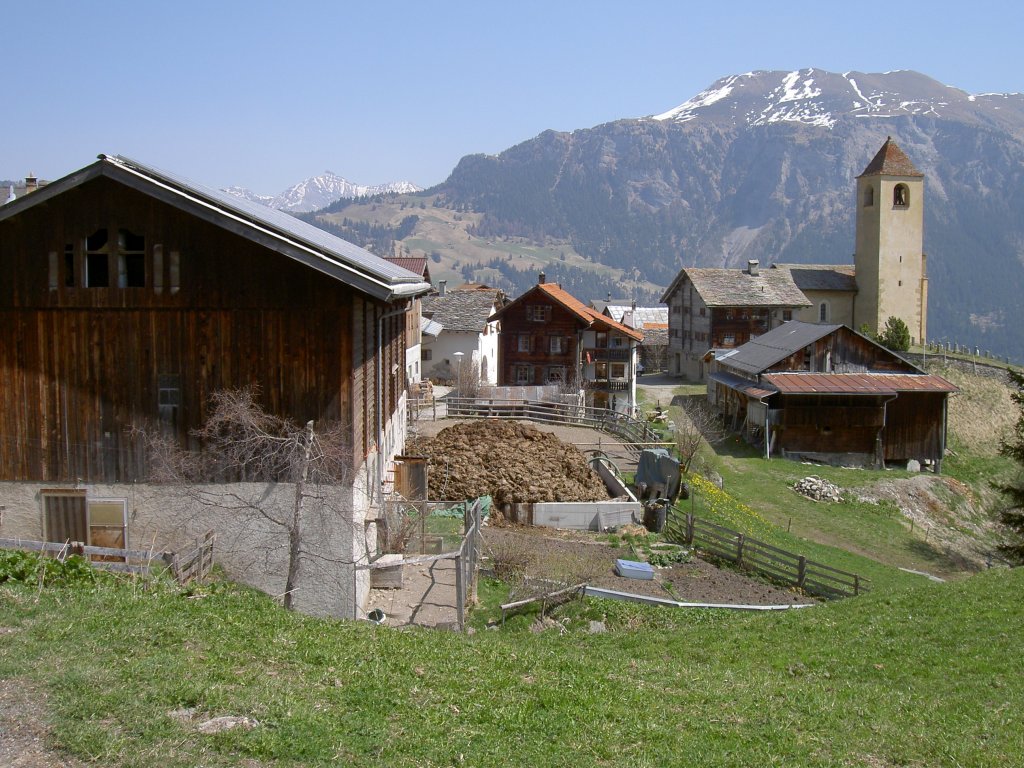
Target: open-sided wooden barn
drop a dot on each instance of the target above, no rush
(825, 392)
(128, 295)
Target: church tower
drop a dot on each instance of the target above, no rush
(892, 279)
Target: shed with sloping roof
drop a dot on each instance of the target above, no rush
(826, 392)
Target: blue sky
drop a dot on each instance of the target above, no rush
(265, 94)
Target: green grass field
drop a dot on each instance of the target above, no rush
(931, 675)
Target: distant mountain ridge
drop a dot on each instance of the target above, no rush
(762, 165)
(318, 192)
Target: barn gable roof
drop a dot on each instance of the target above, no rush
(766, 350)
(276, 230)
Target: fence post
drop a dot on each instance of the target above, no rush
(460, 593)
(689, 529)
(739, 549)
(856, 585)
(801, 571)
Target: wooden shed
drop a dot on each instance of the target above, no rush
(825, 392)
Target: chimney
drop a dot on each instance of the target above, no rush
(442, 287)
(31, 183)
(609, 299)
(541, 278)
(752, 267)
(633, 307)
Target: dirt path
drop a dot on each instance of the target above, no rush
(24, 731)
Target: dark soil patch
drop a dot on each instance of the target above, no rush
(572, 557)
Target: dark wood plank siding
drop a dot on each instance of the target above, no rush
(82, 365)
(913, 427)
(516, 323)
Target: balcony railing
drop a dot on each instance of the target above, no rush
(616, 354)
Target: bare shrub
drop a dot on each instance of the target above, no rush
(695, 425)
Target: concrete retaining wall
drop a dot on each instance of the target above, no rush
(587, 516)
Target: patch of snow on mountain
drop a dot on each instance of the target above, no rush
(318, 192)
(799, 96)
(685, 111)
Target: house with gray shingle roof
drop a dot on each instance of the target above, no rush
(460, 324)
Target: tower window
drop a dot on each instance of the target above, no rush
(823, 312)
(901, 196)
(869, 196)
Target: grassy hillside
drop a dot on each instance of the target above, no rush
(931, 675)
(448, 237)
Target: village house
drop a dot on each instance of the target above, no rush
(653, 321)
(550, 337)
(822, 392)
(129, 296)
(719, 309)
(461, 343)
(414, 321)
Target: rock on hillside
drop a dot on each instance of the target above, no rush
(513, 462)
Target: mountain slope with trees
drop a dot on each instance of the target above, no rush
(762, 166)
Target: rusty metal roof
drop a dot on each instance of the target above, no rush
(856, 383)
(749, 388)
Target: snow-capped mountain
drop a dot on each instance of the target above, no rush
(819, 98)
(320, 191)
(761, 166)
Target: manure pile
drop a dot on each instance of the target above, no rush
(512, 461)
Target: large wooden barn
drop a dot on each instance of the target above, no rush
(824, 392)
(129, 295)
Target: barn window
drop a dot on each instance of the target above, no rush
(129, 252)
(131, 260)
(69, 516)
(168, 397)
(97, 260)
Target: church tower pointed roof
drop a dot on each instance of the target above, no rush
(891, 161)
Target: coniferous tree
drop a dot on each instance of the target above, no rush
(1012, 515)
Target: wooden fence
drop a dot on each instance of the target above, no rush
(755, 555)
(633, 432)
(194, 564)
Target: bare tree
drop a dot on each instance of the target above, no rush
(243, 450)
(696, 424)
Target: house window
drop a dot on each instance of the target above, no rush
(558, 345)
(69, 516)
(555, 374)
(618, 370)
(600, 370)
(618, 341)
(729, 340)
(601, 341)
(787, 315)
(538, 313)
(703, 311)
(523, 374)
(427, 354)
(523, 343)
(901, 196)
(823, 312)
